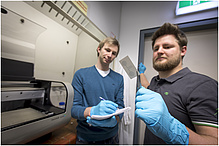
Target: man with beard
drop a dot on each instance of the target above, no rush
(98, 90)
(179, 106)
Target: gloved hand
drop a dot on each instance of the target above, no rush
(151, 108)
(105, 107)
(110, 122)
(141, 68)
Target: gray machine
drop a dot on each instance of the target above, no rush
(30, 108)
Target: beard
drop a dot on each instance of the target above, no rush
(168, 65)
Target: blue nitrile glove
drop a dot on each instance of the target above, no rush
(110, 122)
(151, 108)
(105, 107)
(141, 68)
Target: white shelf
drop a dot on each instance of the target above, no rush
(69, 16)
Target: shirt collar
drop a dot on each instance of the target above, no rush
(175, 76)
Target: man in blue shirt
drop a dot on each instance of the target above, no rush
(98, 90)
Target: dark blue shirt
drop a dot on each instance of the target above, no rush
(190, 97)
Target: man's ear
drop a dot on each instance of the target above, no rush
(183, 50)
(98, 49)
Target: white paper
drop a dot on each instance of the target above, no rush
(119, 111)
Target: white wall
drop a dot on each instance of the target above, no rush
(202, 52)
(86, 54)
(106, 15)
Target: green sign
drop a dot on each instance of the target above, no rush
(191, 3)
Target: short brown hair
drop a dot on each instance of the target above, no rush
(111, 41)
(168, 28)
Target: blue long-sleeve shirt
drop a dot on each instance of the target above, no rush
(88, 86)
